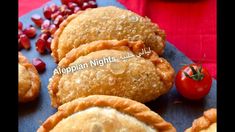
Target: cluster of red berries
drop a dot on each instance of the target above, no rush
(53, 17)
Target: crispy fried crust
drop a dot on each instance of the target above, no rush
(33, 91)
(56, 35)
(163, 69)
(91, 25)
(124, 105)
(209, 117)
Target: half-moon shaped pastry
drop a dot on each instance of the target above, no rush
(105, 23)
(101, 113)
(110, 67)
(206, 123)
(28, 81)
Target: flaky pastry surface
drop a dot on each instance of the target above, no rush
(105, 23)
(139, 78)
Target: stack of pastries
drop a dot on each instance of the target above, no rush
(109, 32)
(108, 94)
(100, 97)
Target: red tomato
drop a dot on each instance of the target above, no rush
(193, 81)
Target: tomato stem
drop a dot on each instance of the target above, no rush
(197, 74)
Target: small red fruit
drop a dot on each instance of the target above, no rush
(30, 31)
(63, 9)
(55, 14)
(37, 19)
(58, 20)
(76, 9)
(53, 28)
(193, 81)
(66, 1)
(45, 26)
(54, 7)
(44, 36)
(92, 4)
(79, 2)
(85, 5)
(48, 44)
(41, 46)
(72, 5)
(19, 44)
(39, 64)
(68, 12)
(19, 33)
(20, 25)
(24, 41)
(47, 12)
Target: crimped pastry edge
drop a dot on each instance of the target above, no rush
(56, 35)
(209, 117)
(125, 105)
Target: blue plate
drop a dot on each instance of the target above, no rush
(172, 107)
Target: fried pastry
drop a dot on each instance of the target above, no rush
(103, 67)
(29, 80)
(105, 23)
(102, 113)
(206, 123)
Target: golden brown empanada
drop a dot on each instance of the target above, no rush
(101, 113)
(29, 80)
(139, 78)
(105, 23)
(206, 123)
